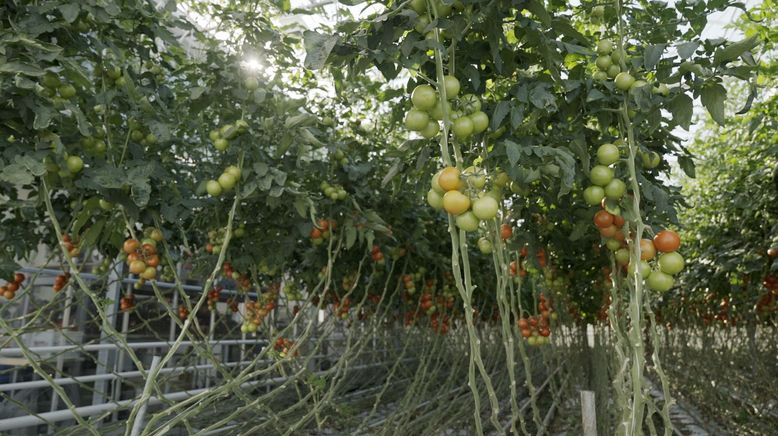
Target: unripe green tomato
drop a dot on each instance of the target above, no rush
(612, 244)
(480, 121)
(601, 175)
(221, 144)
(74, 164)
(604, 47)
(421, 24)
(671, 263)
(613, 71)
(502, 179)
(659, 281)
(416, 120)
(638, 84)
(603, 62)
(235, 171)
(435, 185)
(608, 154)
(650, 160)
(451, 84)
(443, 10)
(475, 177)
(467, 222)
(121, 82)
(622, 256)
(214, 135)
(470, 104)
(420, 6)
(645, 269)
(624, 81)
(432, 130)
(593, 195)
(437, 111)
(227, 181)
(424, 97)
(598, 11)
(600, 76)
(495, 193)
(485, 208)
(151, 138)
(251, 83)
(342, 194)
(105, 204)
(617, 56)
(485, 246)
(661, 89)
(615, 189)
(434, 199)
(518, 188)
(462, 127)
(50, 80)
(67, 91)
(213, 188)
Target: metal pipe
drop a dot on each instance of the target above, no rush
(111, 346)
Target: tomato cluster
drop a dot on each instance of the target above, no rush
(341, 307)
(213, 297)
(439, 322)
(447, 193)
(282, 346)
(183, 312)
(536, 329)
(292, 291)
(257, 311)
(225, 183)
(333, 192)
(322, 230)
(142, 256)
(70, 246)
(61, 281)
(221, 137)
(127, 303)
(9, 289)
(429, 109)
(377, 255)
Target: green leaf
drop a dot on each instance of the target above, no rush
(713, 98)
(91, 235)
(42, 117)
(260, 168)
(21, 68)
(317, 48)
(513, 151)
(734, 50)
(687, 165)
(652, 54)
(69, 11)
(686, 49)
(500, 112)
(682, 108)
(351, 236)
(16, 174)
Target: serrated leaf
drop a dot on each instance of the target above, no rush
(682, 107)
(500, 112)
(513, 151)
(713, 98)
(652, 54)
(16, 174)
(317, 48)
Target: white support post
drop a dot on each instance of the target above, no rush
(588, 413)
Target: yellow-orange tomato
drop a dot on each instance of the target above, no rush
(449, 179)
(137, 266)
(456, 202)
(647, 249)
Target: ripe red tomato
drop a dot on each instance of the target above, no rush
(603, 219)
(667, 241)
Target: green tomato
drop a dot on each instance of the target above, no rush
(463, 127)
(593, 195)
(221, 144)
(624, 81)
(251, 83)
(662, 89)
(601, 175)
(50, 80)
(650, 160)
(227, 181)
(659, 281)
(214, 135)
(442, 9)
(424, 97)
(613, 71)
(485, 246)
(600, 76)
(420, 6)
(416, 120)
(645, 269)
(467, 221)
(451, 84)
(608, 154)
(603, 62)
(485, 208)
(434, 199)
(613, 244)
(235, 171)
(480, 121)
(67, 91)
(75, 164)
(622, 256)
(342, 194)
(598, 11)
(213, 188)
(604, 47)
(421, 24)
(475, 177)
(617, 56)
(615, 189)
(432, 130)
(105, 204)
(671, 263)
(435, 185)
(437, 111)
